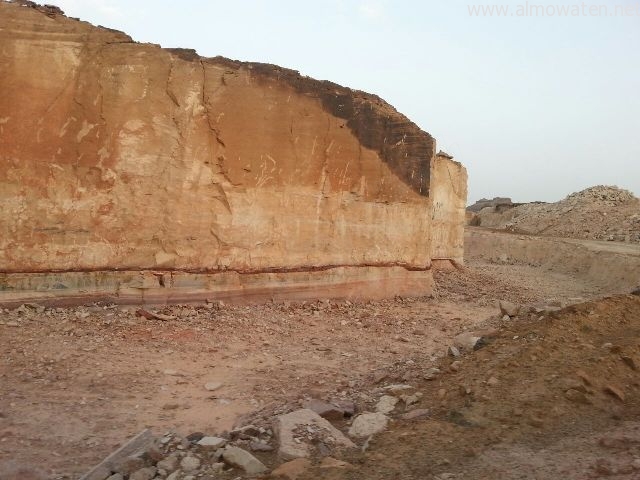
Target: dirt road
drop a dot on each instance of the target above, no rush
(74, 383)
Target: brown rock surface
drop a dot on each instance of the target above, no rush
(117, 156)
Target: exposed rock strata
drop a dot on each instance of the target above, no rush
(119, 156)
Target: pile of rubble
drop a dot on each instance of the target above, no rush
(286, 440)
(597, 213)
(262, 446)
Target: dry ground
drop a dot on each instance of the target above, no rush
(75, 383)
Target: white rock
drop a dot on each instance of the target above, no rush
(368, 424)
(212, 386)
(466, 341)
(239, 458)
(508, 308)
(386, 404)
(190, 463)
(285, 425)
(211, 443)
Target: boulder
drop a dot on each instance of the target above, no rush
(239, 458)
(368, 424)
(286, 427)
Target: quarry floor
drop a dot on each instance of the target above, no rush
(76, 382)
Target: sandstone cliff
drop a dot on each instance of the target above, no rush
(118, 156)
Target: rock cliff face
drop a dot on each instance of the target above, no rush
(124, 157)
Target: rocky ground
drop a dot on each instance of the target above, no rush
(213, 382)
(597, 213)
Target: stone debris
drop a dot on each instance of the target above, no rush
(596, 213)
(212, 386)
(298, 431)
(211, 443)
(239, 458)
(368, 424)
(468, 341)
(386, 404)
(508, 308)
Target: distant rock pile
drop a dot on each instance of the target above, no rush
(597, 213)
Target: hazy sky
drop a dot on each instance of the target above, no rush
(534, 106)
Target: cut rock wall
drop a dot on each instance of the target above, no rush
(118, 156)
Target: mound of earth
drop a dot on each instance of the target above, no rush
(597, 213)
(552, 396)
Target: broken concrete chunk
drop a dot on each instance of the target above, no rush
(296, 430)
(239, 458)
(368, 424)
(386, 404)
(211, 443)
(508, 308)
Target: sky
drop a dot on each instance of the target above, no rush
(537, 101)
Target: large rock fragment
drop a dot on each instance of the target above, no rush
(239, 458)
(368, 424)
(306, 427)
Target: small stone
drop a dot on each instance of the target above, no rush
(453, 351)
(368, 424)
(292, 470)
(386, 404)
(260, 447)
(212, 386)
(144, 474)
(211, 443)
(410, 399)
(175, 475)
(116, 476)
(614, 391)
(190, 463)
(493, 381)
(467, 341)
(169, 464)
(576, 396)
(508, 308)
(171, 372)
(455, 366)
(239, 458)
(415, 414)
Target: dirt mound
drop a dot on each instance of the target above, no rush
(551, 396)
(597, 213)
